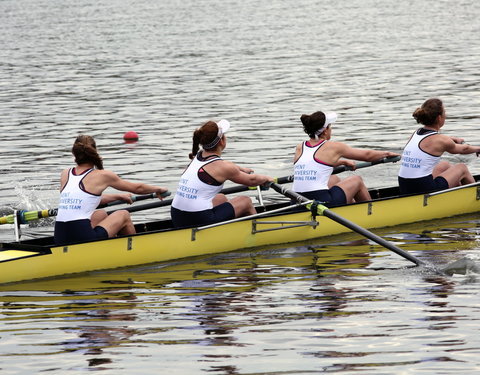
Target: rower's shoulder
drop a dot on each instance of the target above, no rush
(103, 175)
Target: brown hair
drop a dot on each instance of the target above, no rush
(311, 123)
(203, 136)
(429, 111)
(85, 151)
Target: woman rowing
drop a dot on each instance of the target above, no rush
(81, 192)
(421, 169)
(198, 200)
(315, 159)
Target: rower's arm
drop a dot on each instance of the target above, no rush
(234, 173)
(460, 148)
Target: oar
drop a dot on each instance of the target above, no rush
(136, 198)
(322, 210)
(279, 180)
(343, 168)
(24, 216)
(168, 202)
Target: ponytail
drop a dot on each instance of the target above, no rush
(196, 143)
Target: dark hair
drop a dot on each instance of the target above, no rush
(85, 151)
(203, 136)
(311, 123)
(429, 111)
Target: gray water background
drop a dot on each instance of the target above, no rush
(162, 68)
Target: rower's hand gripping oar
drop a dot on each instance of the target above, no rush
(322, 210)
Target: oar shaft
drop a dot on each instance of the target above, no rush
(365, 164)
(25, 216)
(322, 210)
(135, 198)
(372, 236)
(146, 206)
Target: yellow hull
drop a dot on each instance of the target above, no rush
(17, 263)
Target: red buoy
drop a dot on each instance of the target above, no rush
(130, 136)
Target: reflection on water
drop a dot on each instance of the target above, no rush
(335, 305)
(94, 334)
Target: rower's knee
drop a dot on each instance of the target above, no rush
(219, 199)
(461, 170)
(127, 218)
(333, 180)
(97, 217)
(242, 205)
(466, 175)
(441, 167)
(122, 217)
(358, 181)
(463, 167)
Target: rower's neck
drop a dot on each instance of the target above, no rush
(80, 168)
(207, 154)
(435, 129)
(315, 142)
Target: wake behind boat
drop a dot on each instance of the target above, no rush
(274, 224)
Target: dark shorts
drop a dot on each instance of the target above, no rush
(421, 185)
(219, 213)
(331, 197)
(77, 231)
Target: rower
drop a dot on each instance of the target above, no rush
(315, 159)
(81, 192)
(421, 170)
(197, 200)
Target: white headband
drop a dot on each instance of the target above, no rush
(223, 126)
(330, 118)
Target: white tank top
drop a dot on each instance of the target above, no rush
(415, 162)
(193, 194)
(75, 202)
(310, 174)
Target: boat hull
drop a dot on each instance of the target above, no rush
(26, 261)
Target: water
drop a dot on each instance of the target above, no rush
(335, 305)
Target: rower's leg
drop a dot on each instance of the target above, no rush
(333, 180)
(440, 168)
(243, 206)
(97, 217)
(355, 189)
(458, 174)
(118, 222)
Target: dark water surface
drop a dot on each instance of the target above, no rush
(162, 68)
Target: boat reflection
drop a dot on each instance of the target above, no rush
(225, 302)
